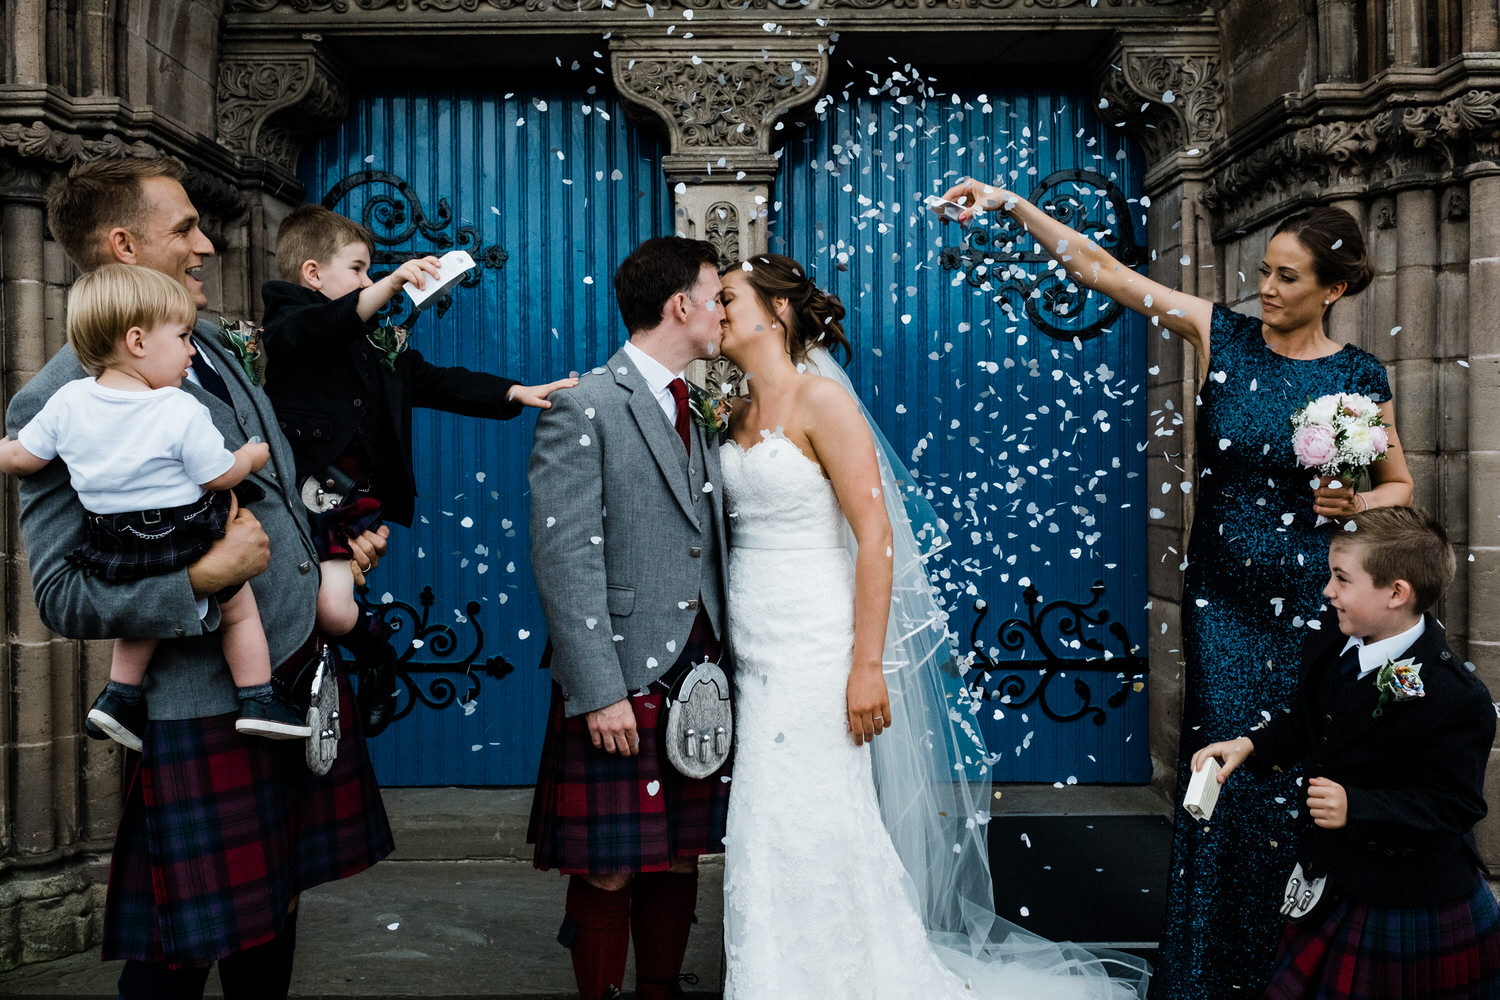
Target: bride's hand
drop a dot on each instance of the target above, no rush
(869, 704)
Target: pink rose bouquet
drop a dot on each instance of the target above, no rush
(1339, 435)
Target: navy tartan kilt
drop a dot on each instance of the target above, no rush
(597, 813)
(1363, 952)
(139, 544)
(219, 831)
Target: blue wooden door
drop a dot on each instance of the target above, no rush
(1017, 399)
(548, 188)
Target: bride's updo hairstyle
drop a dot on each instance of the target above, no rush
(1337, 246)
(816, 316)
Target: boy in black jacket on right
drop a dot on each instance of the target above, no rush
(1398, 732)
(343, 393)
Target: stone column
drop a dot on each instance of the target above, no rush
(721, 110)
(1414, 348)
(1484, 453)
(1338, 41)
(1451, 320)
(61, 805)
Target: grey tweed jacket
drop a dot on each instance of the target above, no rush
(627, 535)
(188, 677)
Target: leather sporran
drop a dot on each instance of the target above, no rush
(1306, 899)
(700, 721)
(311, 685)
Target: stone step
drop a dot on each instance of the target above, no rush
(458, 911)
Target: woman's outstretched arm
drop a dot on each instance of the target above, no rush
(1089, 264)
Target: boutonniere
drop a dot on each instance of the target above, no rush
(711, 410)
(1398, 681)
(390, 341)
(242, 337)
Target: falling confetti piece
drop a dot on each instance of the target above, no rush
(652, 787)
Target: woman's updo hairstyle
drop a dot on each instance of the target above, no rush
(815, 314)
(1338, 248)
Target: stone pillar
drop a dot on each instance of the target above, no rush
(721, 111)
(1450, 344)
(1484, 455)
(1415, 346)
(1338, 41)
(60, 807)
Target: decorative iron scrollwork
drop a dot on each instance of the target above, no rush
(440, 642)
(1005, 680)
(994, 258)
(395, 217)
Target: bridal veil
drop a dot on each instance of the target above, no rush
(933, 777)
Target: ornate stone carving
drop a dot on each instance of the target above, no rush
(269, 103)
(41, 140)
(1398, 142)
(469, 6)
(718, 100)
(1171, 98)
(1456, 206)
(1043, 4)
(721, 227)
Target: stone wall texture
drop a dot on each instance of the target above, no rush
(1388, 108)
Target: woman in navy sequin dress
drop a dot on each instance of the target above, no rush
(1256, 559)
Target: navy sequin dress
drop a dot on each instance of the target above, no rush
(1257, 564)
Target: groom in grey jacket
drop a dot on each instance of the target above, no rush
(627, 542)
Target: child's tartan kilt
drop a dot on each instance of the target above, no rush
(120, 547)
(597, 813)
(220, 830)
(1363, 952)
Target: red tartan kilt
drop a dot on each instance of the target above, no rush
(597, 813)
(219, 831)
(1450, 951)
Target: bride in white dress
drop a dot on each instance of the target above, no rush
(831, 888)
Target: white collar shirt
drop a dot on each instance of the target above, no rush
(1372, 655)
(658, 376)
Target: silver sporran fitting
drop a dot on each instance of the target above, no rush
(700, 721)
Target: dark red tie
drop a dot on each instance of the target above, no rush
(679, 391)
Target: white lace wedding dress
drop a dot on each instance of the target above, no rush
(817, 904)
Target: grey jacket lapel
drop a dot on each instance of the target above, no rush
(660, 438)
(240, 392)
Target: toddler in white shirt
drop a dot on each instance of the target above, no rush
(154, 477)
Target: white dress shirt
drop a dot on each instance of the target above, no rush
(658, 377)
(1372, 655)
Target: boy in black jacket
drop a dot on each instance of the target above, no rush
(344, 393)
(1398, 732)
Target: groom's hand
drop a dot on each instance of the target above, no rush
(612, 728)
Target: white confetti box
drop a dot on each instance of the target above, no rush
(1203, 791)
